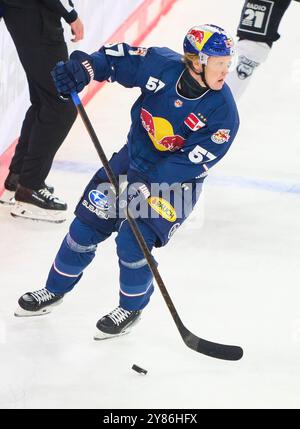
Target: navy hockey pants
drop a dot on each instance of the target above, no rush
(78, 250)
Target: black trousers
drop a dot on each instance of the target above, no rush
(38, 37)
(260, 20)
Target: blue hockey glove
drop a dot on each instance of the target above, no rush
(73, 75)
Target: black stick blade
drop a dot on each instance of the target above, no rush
(209, 348)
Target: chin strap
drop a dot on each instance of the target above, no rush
(201, 74)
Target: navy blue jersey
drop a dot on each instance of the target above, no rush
(172, 138)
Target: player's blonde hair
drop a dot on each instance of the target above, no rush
(188, 58)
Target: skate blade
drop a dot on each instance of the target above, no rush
(31, 212)
(7, 199)
(100, 335)
(20, 312)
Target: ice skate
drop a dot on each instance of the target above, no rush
(10, 186)
(39, 205)
(37, 303)
(116, 323)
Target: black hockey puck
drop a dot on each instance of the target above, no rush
(139, 369)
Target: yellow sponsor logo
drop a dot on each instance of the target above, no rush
(161, 132)
(163, 129)
(163, 208)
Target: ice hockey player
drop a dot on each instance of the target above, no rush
(257, 31)
(183, 123)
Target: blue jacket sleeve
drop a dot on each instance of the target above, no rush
(202, 150)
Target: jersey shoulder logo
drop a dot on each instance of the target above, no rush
(221, 136)
(138, 51)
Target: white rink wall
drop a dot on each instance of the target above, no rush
(100, 20)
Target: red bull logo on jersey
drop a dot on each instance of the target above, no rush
(163, 208)
(161, 132)
(221, 136)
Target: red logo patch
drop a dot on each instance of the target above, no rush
(147, 121)
(193, 122)
(178, 103)
(221, 136)
(172, 143)
(197, 35)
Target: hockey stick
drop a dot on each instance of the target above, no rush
(219, 351)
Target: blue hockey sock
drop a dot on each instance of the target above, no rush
(75, 254)
(136, 280)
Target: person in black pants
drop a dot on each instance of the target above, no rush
(36, 29)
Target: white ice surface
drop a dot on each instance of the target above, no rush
(233, 271)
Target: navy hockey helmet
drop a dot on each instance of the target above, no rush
(208, 40)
